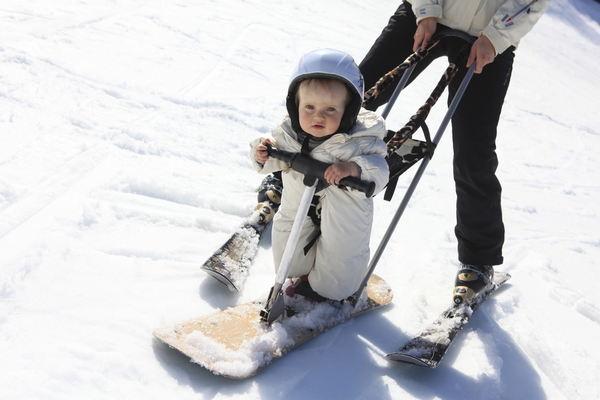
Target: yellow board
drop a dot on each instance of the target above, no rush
(235, 343)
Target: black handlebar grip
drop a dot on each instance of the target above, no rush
(309, 166)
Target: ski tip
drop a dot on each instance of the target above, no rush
(409, 359)
(221, 278)
(501, 277)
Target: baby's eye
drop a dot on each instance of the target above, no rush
(309, 107)
(331, 109)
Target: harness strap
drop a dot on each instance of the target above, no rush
(306, 146)
(314, 212)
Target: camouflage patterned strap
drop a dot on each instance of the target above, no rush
(419, 118)
(385, 81)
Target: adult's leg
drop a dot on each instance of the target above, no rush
(479, 228)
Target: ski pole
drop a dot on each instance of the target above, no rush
(411, 188)
(399, 88)
(275, 304)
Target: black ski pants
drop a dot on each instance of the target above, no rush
(479, 227)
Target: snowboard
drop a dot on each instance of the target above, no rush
(428, 348)
(236, 344)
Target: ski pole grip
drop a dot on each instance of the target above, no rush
(310, 166)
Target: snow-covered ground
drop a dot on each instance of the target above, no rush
(123, 165)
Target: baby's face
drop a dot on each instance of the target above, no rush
(321, 107)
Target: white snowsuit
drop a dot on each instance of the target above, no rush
(338, 261)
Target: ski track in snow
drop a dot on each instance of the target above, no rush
(125, 127)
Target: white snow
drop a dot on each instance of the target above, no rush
(124, 128)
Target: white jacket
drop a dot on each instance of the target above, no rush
(338, 261)
(363, 145)
(504, 22)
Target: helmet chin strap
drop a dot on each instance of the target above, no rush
(309, 141)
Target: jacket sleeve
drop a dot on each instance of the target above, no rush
(374, 168)
(272, 164)
(427, 8)
(371, 150)
(372, 163)
(513, 20)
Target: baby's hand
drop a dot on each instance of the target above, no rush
(340, 170)
(261, 154)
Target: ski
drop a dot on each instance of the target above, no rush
(428, 349)
(230, 263)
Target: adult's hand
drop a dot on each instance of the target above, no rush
(482, 53)
(425, 31)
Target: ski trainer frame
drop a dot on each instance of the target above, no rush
(407, 131)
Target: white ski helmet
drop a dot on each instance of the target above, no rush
(328, 63)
